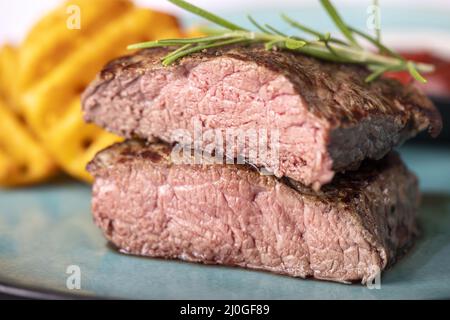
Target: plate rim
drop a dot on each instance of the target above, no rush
(36, 293)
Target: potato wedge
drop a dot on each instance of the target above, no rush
(73, 74)
(194, 32)
(74, 143)
(50, 96)
(40, 53)
(22, 160)
(8, 75)
(7, 167)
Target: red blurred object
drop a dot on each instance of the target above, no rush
(438, 81)
(403, 76)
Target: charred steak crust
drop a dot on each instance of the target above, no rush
(231, 215)
(329, 119)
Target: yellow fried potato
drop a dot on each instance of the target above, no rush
(22, 160)
(8, 74)
(164, 26)
(51, 97)
(74, 143)
(81, 66)
(194, 32)
(7, 167)
(54, 37)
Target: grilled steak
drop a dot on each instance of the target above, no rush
(325, 117)
(147, 204)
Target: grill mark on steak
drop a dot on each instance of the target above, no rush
(153, 156)
(229, 214)
(330, 120)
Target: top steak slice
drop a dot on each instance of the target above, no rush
(325, 117)
(148, 202)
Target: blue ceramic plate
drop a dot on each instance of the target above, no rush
(47, 231)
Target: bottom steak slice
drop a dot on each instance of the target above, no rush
(146, 204)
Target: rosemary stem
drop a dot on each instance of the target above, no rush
(170, 58)
(367, 57)
(353, 54)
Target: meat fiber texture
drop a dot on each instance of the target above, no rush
(326, 118)
(148, 204)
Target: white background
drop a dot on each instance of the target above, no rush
(16, 17)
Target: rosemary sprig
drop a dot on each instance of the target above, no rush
(324, 46)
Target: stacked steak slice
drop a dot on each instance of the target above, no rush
(232, 215)
(309, 219)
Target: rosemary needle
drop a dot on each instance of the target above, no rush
(169, 59)
(332, 12)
